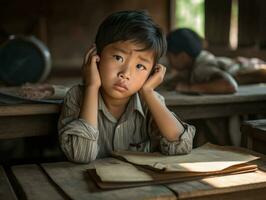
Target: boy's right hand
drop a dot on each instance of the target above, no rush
(90, 73)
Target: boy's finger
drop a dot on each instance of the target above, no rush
(95, 58)
(89, 52)
(159, 67)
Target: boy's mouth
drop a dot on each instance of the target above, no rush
(121, 86)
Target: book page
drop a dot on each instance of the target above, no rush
(207, 158)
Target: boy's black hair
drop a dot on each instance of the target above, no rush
(136, 26)
(184, 40)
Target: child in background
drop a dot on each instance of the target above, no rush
(117, 107)
(196, 70)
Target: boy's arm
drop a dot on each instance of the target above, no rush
(92, 83)
(77, 138)
(78, 132)
(168, 125)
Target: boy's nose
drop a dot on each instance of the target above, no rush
(123, 75)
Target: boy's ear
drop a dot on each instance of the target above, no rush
(152, 71)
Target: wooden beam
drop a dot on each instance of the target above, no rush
(217, 22)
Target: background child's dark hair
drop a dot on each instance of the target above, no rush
(184, 40)
(136, 26)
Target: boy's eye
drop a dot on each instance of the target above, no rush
(118, 58)
(141, 67)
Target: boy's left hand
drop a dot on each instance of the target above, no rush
(155, 79)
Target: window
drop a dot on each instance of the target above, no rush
(190, 14)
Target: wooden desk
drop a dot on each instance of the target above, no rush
(28, 120)
(250, 99)
(65, 180)
(41, 119)
(6, 190)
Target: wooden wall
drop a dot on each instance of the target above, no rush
(68, 27)
(251, 27)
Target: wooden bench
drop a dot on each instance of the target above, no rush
(6, 190)
(254, 132)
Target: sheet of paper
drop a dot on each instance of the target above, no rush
(207, 158)
(117, 171)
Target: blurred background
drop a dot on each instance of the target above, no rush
(68, 28)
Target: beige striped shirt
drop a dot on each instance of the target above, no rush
(135, 130)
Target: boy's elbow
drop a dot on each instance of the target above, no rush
(75, 154)
(82, 159)
(185, 148)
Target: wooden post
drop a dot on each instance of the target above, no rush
(217, 22)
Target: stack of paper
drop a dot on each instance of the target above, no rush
(137, 168)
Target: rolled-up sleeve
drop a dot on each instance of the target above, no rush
(183, 145)
(78, 139)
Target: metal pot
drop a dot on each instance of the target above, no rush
(24, 59)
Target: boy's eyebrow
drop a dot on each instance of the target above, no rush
(122, 50)
(126, 52)
(144, 59)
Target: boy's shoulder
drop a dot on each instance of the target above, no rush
(75, 89)
(75, 93)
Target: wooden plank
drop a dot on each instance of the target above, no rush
(254, 134)
(245, 52)
(252, 24)
(248, 93)
(27, 126)
(223, 185)
(243, 186)
(75, 181)
(219, 110)
(248, 23)
(29, 109)
(217, 22)
(262, 25)
(239, 186)
(34, 184)
(6, 190)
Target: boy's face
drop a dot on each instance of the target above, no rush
(124, 69)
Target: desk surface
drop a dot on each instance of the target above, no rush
(41, 119)
(248, 93)
(29, 109)
(65, 180)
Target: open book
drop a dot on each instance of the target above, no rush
(137, 168)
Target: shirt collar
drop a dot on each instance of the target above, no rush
(133, 104)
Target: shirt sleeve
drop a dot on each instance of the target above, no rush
(183, 145)
(207, 69)
(77, 138)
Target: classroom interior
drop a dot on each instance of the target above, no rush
(28, 129)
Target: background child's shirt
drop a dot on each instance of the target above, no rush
(207, 66)
(135, 130)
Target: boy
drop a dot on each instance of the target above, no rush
(200, 71)
(117, 107)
